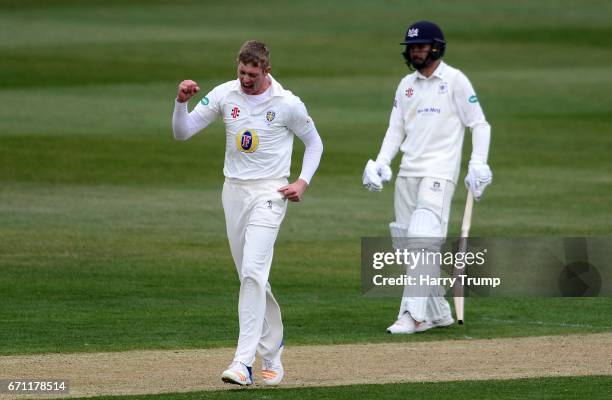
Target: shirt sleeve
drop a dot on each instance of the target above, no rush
(303, 127)
(472, 116)
(395, 132)
(185, 124)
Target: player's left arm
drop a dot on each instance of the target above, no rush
(479, 174)
(303, 127)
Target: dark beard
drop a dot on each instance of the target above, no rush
(420, 65)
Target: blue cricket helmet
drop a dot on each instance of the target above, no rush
(425, 32)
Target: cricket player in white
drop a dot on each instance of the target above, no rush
(261, 119)
(431, 109)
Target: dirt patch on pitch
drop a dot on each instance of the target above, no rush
(144, 372)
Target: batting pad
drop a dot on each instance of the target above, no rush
(425, 230)
(399, 235)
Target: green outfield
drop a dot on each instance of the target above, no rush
(597, 387)
(112, 234)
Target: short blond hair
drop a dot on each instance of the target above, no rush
(255, 53)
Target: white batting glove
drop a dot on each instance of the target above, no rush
(479, 176)
(375, 174)
(384, 171)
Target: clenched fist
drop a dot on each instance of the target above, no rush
(186, 90)
(294, 191)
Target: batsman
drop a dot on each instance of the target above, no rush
(433, 105)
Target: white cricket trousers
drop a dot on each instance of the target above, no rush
(254, 210)
(425, 194)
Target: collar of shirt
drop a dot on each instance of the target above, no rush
(438, 73)
(277, 89)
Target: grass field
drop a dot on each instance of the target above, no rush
(112, 234)
(540, 389)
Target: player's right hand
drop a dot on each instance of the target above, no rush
(186, 90)
(375, 174)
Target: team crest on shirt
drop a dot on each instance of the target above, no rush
(443, 88)
(270, 115)
(247, 141)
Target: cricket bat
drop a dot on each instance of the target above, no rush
(459, 290)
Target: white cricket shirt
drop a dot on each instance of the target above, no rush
(259, 130)
(428, 122)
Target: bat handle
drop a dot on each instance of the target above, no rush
(467, 215)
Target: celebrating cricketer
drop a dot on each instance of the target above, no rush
(261, 118)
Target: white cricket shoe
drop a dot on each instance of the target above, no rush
(440, 323)
(404, 325)
(272, 370)
(238, 373)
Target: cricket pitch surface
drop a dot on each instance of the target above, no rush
(164, 371)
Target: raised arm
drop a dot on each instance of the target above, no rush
(185, 124)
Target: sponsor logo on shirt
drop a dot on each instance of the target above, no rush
(473, 99)
(409, 92)
(235, 112)
(395, 103)
(435, 187)
(247, 141)
(204, 101)
(270, 115)
(429, 110)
